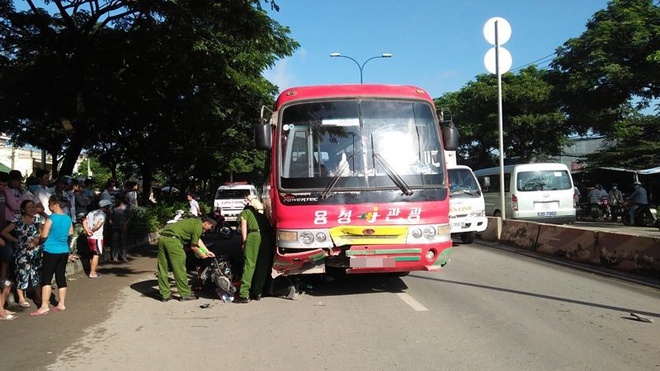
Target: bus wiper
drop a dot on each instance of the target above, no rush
(396, 178)
(338, 175)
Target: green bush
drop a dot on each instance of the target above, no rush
(152, 218)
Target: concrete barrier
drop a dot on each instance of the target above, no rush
(493, 231)
(638, 254)
(568, 242)
(619, 251)
(519, 234)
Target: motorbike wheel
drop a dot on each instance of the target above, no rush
(224, 232)
(646, 219)
(625, 218)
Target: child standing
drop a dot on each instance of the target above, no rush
(94, 229)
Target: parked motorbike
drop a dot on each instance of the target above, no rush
(178, 215)
(644, 217)
(599, 210)
(582, 211)
(222, 228)
(616, 212)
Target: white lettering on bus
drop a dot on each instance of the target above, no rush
(415, 213)
(344, 217)
(321, 217)
(393, 214)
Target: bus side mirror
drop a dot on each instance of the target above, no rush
(262, 136)
(450, 136)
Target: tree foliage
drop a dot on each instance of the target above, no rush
(534, 127)
(163, 86)
(615, 61)
(634, 145)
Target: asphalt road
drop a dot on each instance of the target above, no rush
(487, 310)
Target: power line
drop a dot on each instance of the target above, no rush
(543, 60)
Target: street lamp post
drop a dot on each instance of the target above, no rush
(361, 66)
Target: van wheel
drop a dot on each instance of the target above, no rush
(497, 214)
(468, 237)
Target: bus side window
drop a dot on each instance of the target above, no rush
(485, 184)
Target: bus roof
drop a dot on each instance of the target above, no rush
(351, 91)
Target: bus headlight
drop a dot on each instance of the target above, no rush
(429, 232)
(306, 238)
(321, 237)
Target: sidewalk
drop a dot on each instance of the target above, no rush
(32, 343)
(78, 266)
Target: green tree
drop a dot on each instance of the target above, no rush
(156, 85)
(633, 145)
(534, 126)
(614, 62)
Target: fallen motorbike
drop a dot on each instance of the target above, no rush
(218, 272)
(644, 217)
(222, 227)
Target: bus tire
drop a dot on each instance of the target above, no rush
(468, 237)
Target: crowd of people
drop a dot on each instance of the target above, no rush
(41, 223)
(616, 201)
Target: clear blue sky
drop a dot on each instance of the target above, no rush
(436, 44)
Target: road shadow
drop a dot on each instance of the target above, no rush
(340, 284)
(541, 296)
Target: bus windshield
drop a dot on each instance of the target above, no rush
(357, 144)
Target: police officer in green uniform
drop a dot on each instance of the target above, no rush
(255, 231)
(170, 245)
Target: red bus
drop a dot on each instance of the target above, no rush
(356, 179)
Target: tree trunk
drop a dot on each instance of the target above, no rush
(70, 157)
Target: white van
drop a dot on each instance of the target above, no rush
(467, 212)
(230, 199)
(540, 192)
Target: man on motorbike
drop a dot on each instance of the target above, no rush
(615, 198)
(636, 199)
(596, 196)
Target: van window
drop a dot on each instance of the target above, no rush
(547, 180)
(232, 194)
(491, 183)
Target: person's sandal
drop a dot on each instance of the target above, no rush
(24, 304)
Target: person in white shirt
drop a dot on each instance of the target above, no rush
(43, 192)
(195, 210)
(93, 226)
